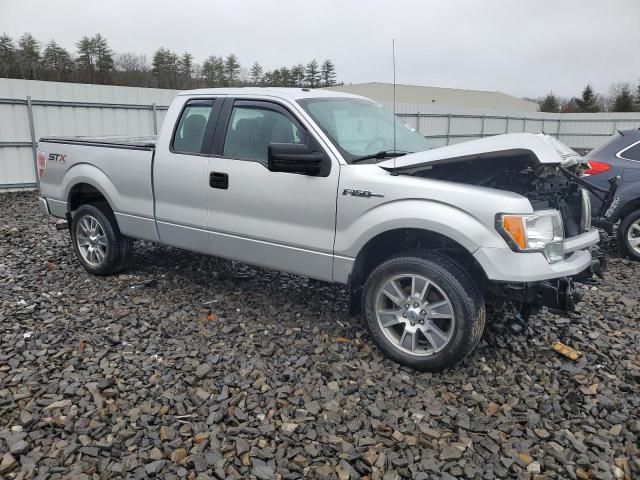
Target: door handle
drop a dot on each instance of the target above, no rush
(219, 180)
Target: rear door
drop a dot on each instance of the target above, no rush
(181, 174)
(284, 221)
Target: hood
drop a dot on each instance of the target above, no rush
(544, 149)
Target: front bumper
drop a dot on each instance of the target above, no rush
(560, 295)
(505, 265)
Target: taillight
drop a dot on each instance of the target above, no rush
(595, 168)
(42, 163)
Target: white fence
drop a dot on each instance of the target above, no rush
(33, 109)
(581, 131)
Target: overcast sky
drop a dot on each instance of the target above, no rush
(521, 47)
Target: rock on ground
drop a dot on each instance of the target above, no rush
(185, 366)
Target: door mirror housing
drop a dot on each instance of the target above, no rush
(294, 158)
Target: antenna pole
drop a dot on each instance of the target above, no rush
(393, 56)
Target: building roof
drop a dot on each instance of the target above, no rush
(476, 99)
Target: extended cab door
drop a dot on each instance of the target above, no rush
(180, 173)
(284, 221)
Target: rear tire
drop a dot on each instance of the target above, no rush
(629, 235)
(430, 327)
(97, 241)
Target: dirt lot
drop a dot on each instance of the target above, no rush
(191, 367)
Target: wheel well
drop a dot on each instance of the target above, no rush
(84, 193)
(632, 206)
(393, 242)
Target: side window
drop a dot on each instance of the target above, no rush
(252, 129)
(191, 126)
(632, 153)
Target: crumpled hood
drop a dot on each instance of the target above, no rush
(544, 148)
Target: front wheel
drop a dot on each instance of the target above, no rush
(97, 241)
(423, 311)
(629, 235)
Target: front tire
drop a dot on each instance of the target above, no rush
(629, 235)
(97, 241)
(423, 311)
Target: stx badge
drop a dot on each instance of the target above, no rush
(57, 157)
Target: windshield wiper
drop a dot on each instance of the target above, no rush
(380, 155)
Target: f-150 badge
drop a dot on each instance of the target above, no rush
(361, 193)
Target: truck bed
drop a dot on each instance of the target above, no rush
(135, 143)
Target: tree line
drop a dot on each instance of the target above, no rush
(621, 98)
(95, 62)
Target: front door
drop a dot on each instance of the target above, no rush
(284, 221)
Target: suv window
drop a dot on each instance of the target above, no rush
(631, 153)
(252, 129)
(190, 132)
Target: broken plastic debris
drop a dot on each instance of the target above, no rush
(566, 351)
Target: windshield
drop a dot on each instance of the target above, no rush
(359, 127)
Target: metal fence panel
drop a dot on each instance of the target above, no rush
(76, 109)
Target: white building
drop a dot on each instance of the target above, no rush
(437, 96)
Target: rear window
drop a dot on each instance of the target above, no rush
(190, 132)
(631, 153)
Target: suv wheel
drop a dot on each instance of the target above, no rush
(423, 311)
(629, 235)
(97, 241)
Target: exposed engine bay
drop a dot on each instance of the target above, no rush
(545, 186)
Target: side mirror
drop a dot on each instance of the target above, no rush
(293, 158)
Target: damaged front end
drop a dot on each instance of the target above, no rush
(547, 173)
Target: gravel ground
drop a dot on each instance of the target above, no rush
(192, 367)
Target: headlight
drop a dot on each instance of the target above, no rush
(541, 231)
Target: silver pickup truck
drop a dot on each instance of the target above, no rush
(334, 187)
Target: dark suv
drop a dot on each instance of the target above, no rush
(620, 156)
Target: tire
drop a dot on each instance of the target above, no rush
(629, 235)
(463, 303)
(93, 230)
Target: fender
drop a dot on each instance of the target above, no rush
(442, 218)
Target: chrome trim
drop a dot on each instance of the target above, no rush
(43, 206)
(585, 219)
(619, 154)
(582, 241)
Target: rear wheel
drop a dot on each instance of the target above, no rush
(629, 235)
(423, 311)
(97, 241)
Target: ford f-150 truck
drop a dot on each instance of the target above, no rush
(334, 187)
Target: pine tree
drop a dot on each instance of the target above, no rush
(103, 58)
(328, 73)
(312, 74)
(8, 56)
(213, 71)
(186, 68)
(28, 56)
(550, 103)
(256, 73)
(56, 62)
(623, 100)
(589, 101)
(166, 65)
(232, 67)
(297, 74)
(637, 100)
(86, 59)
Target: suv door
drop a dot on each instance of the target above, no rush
(284, 221)
(180, 173)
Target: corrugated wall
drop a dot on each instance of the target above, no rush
(78, 109)
(68, 109)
